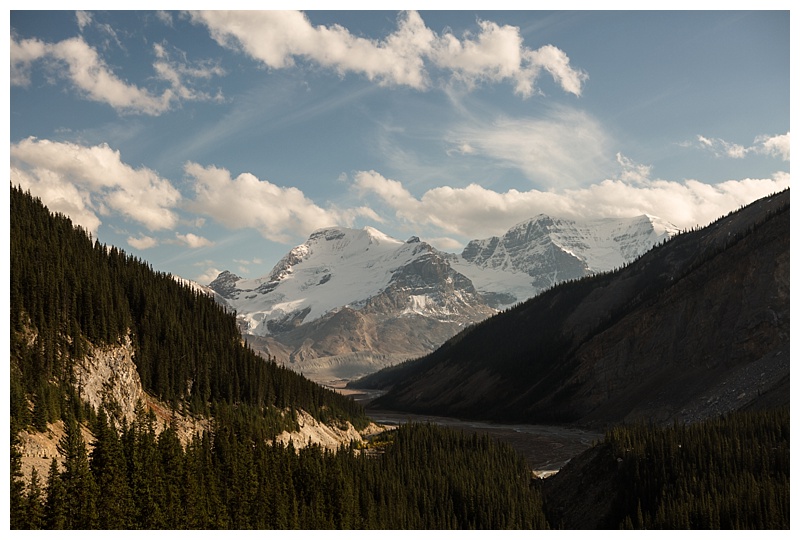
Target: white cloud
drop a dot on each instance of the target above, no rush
(208, 276)
(165, 17)
(90, 75)
(179, 74)
(475, 211)
(775, 145)
(566, 147)
(771, 145)
(97, 82)
(445, 243)
(84, 19)
(278, 213)
(59, 196)
(82, 181)
(23, 54)
(142, 242)
(192, 240)
(496, 53)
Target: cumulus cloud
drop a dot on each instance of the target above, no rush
(192, 240)
(142, 242)
(82, 181)
(774, 145)
(278, 213)
(475, 211)
(564, 147)
(771, 145)
(494, 54)
(95, 81)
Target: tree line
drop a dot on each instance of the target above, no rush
(424, 477)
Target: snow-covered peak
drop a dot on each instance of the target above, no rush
(335, 267)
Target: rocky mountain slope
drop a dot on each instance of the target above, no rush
(696, 327)
(348, 302)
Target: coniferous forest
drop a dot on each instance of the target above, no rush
(69, 292)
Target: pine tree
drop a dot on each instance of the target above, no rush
(55, 508)
(79, 484)
(114, 503)
(34, 505)
(17, 500)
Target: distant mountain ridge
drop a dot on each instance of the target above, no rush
(696, 327)
(349, 301)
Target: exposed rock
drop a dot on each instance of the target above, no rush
(107, 377)
(330, 437)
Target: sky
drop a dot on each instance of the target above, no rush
(210, 141)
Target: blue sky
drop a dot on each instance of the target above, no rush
(211, 141)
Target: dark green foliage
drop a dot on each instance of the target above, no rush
(80, 489)
(729, 473)
(17, 498)
(68, 292)
(55, 508)
(108, 465)
(423, 477)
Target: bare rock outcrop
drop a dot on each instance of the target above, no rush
(107, 377)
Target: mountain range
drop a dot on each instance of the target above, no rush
(348, 302)
(696, 327)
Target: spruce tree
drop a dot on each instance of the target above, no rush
(55, 508)
(79, 485)
(114, 502)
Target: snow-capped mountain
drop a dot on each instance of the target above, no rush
(347, 301)
(538, 253)
(346, 268)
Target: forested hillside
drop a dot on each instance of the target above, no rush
(424, 478)
(69, 291)
(731, 472)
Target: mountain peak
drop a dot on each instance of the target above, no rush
(225, 284)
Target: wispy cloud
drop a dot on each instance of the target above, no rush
(564, 147)
(95, 80)
(209, 275)
(770, 145)
(406, 57)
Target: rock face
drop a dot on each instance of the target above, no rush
(697, 326)
(107, 377)
(348, 302)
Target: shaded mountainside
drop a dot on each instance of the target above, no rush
(697, 326)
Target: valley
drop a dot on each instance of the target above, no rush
(545, 448)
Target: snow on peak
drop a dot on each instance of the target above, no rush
(335, 267)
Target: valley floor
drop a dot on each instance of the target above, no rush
(545, 448)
